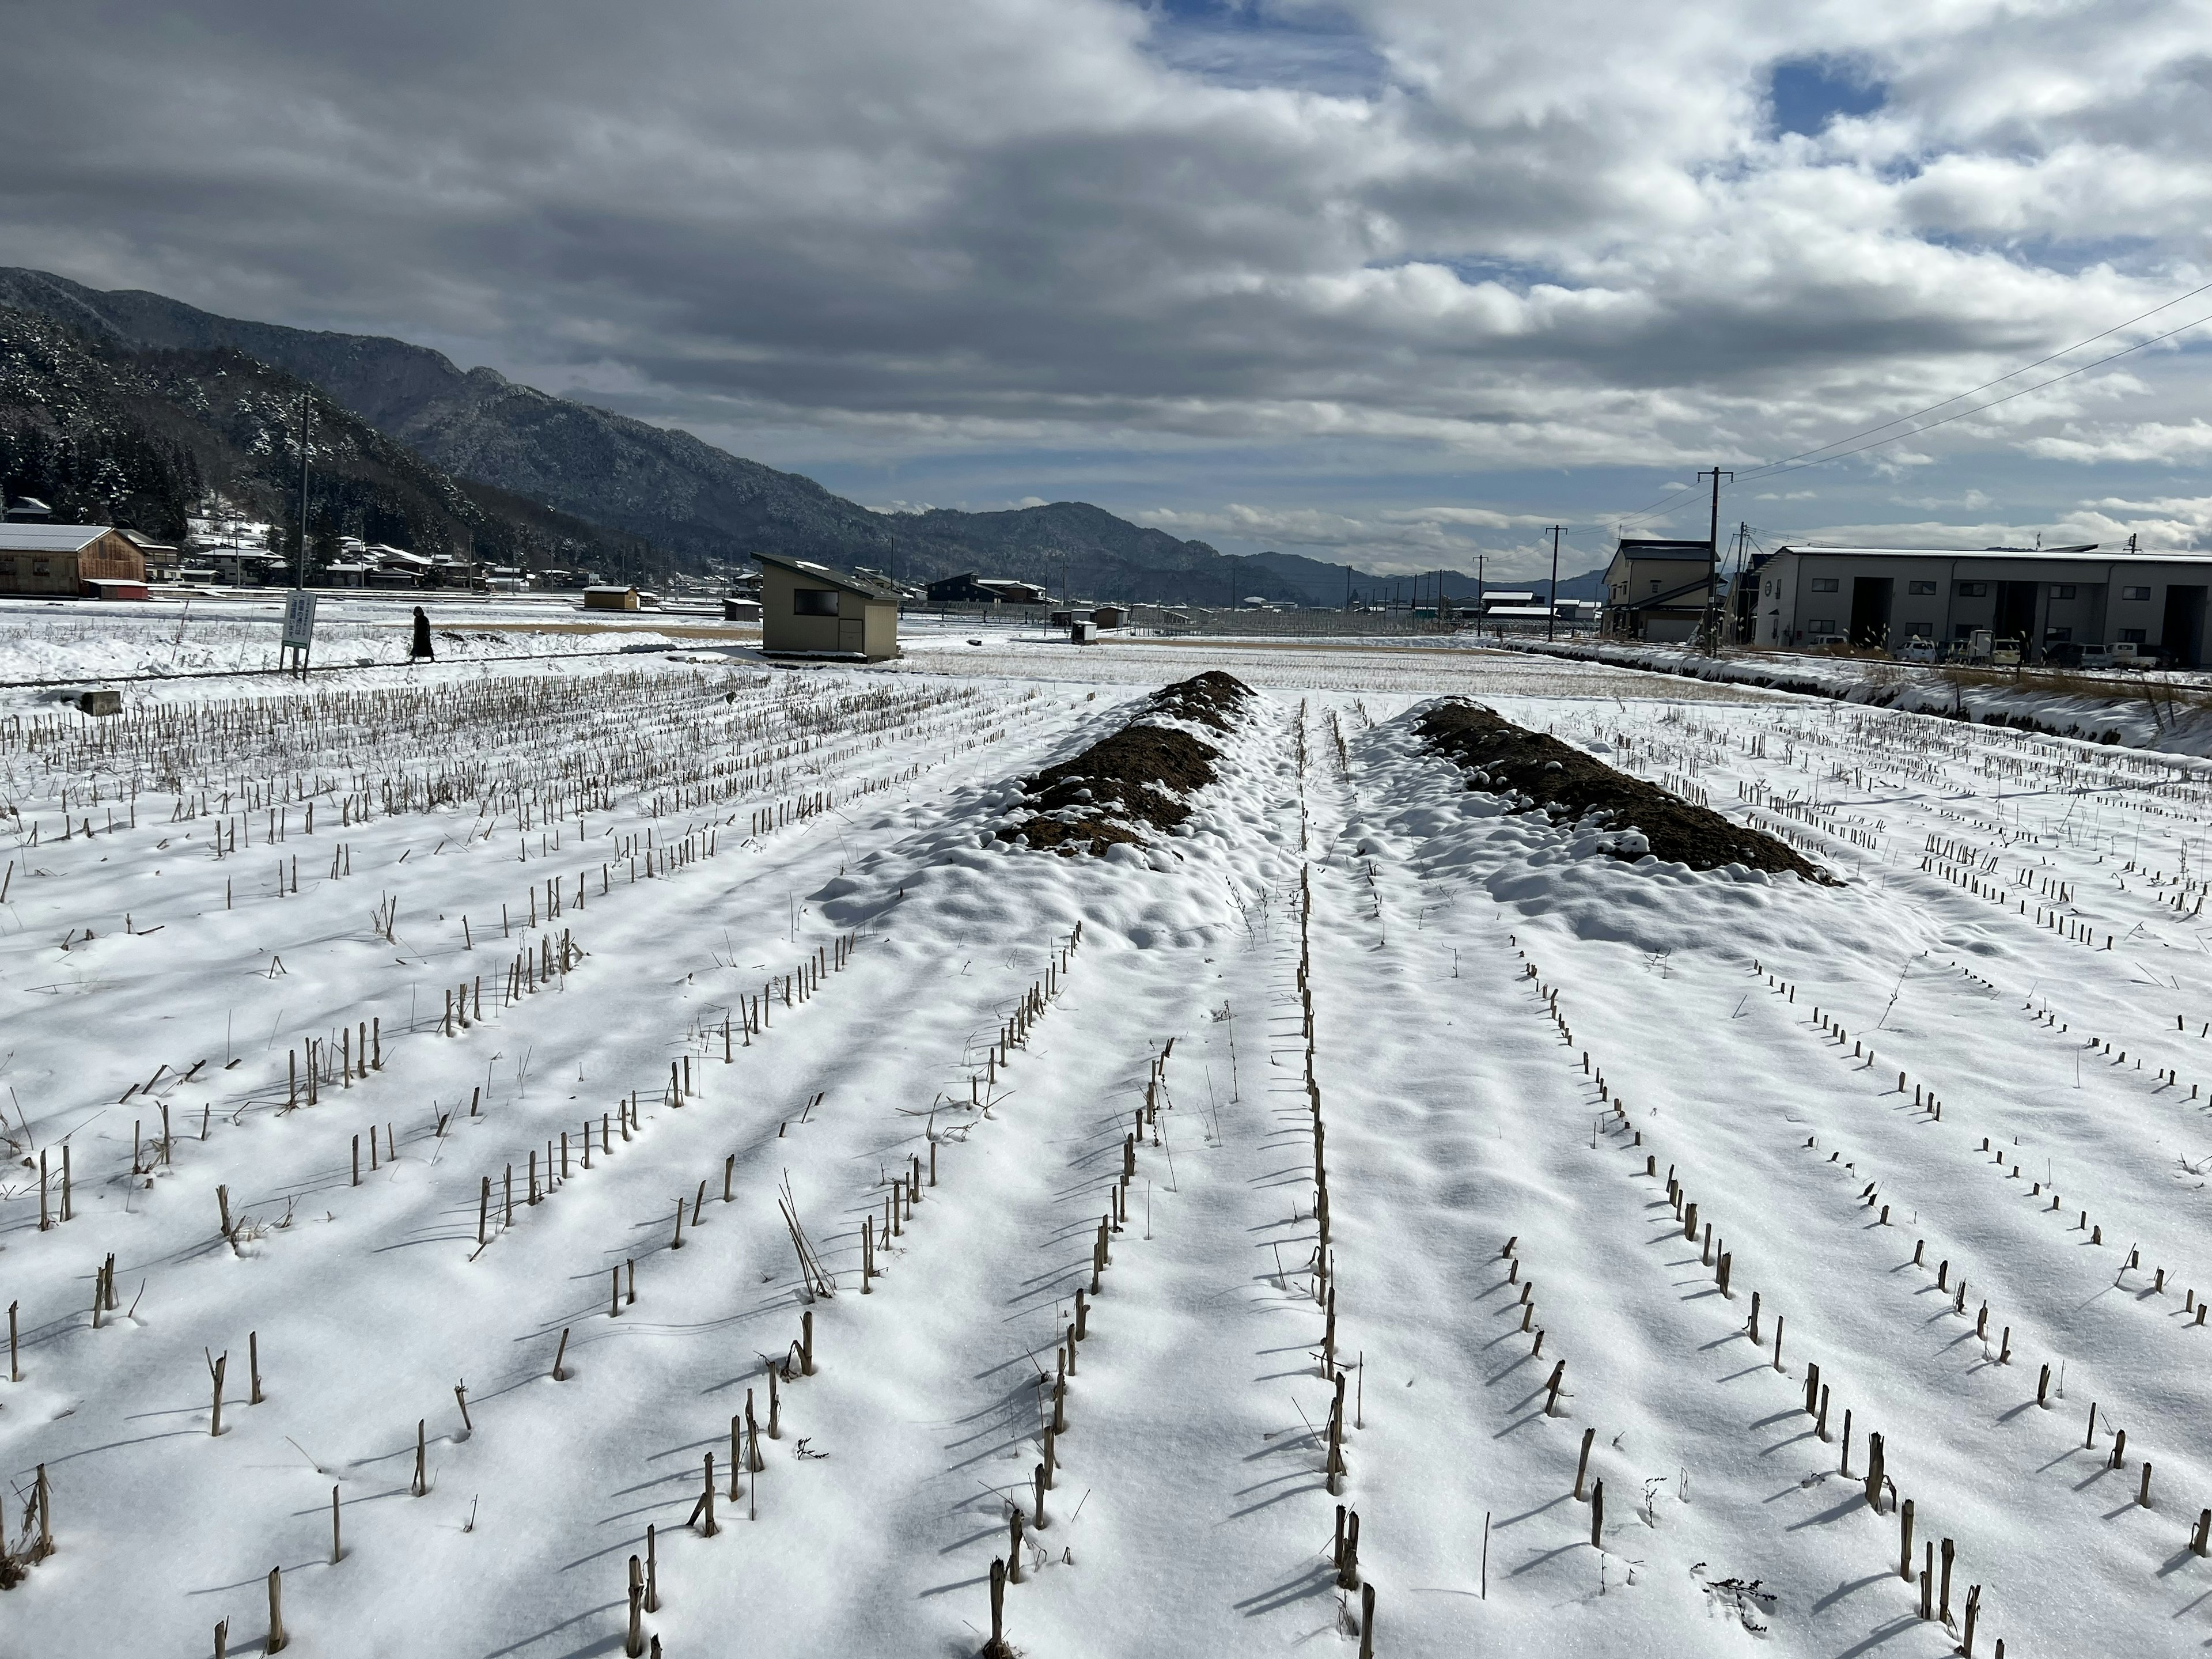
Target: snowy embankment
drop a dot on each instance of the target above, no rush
(654, 941)
(2140, 711)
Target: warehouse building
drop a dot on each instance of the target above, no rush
(2056, 601)
(70, 561)
(808, 609)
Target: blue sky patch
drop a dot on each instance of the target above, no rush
(1809, 93)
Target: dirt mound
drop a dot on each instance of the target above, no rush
(1207, 699)
(1130, 781)
(1506, 759)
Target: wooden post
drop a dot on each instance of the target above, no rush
(1597, 1513)
(215, 1368)
(634, 1646)
(278, 1639)
(422, 1457)
(335, 1551)
(1582, 1463)
(559, 1354)
(1905, 1541)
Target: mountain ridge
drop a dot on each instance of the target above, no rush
(104, 432)
(698, 504)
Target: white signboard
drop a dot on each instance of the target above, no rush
(298, 620)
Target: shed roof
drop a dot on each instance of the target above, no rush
(50, 538)
(1651, 548)
(868, 587)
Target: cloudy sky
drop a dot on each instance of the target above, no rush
(1393, 280)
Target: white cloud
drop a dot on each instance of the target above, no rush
(2149, 441)
(1562, 239)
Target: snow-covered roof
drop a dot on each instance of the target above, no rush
(870, 587)
(50, 538)
(2075, 555)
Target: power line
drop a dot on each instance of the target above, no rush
(1851, 444)
(1777, 469)
(2010, 375)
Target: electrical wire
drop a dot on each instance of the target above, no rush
(1850, 444)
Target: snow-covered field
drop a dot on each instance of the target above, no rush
(645, 938)
(54, 641)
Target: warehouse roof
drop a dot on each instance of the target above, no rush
(50, 538)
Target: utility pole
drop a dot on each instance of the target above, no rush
(1713, 549)
(1478, 585)
(305, 426)
(1552, 599)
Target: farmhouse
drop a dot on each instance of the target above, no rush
(1657, 590)
(611, 598)
(64, 559)
(808, 609)
(2054, 600)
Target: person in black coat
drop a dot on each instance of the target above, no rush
(420, 651)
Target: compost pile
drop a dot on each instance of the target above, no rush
(1546, 775)
(1134, 780)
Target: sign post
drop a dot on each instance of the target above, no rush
(299, 630)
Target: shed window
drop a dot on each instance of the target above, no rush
(1654, 584)
(1920, 587)
(1973, 590)
(2132, 636)
(2062, 590)
(2057, 635)
(1821, 624)
(41, 568)
(2135, 592)
(813, 602)
(1824, 584)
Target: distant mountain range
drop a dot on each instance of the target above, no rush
(106, 433)
(658, 495)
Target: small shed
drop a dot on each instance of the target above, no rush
(56, 560)
(737, 609)
(808, 609)
(610, 598)
(108, 587)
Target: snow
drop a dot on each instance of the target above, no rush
(2166, 710)
(56, 641)
(1985, 871)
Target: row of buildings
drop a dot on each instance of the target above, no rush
(2053, 604)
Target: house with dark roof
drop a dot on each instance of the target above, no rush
(808, 609)
(969, 588)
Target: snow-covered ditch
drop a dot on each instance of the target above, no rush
(2141, 711)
